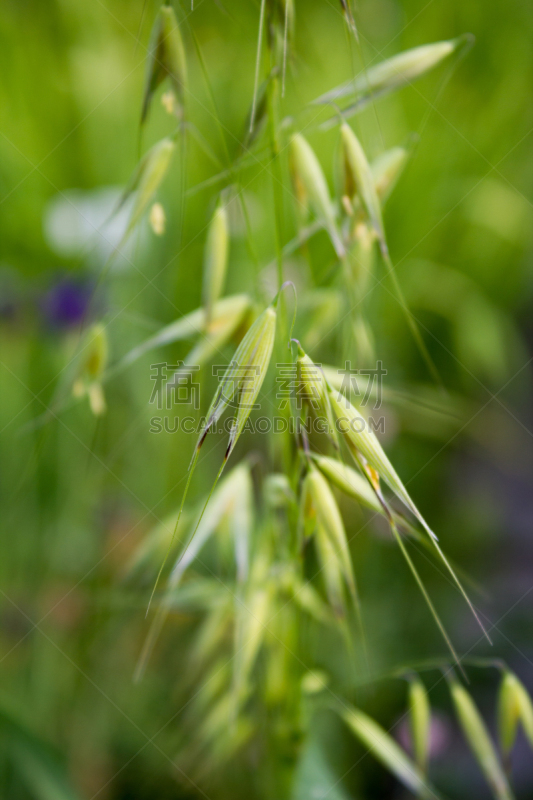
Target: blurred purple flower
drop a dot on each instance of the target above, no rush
(440, 734)
(66, 303)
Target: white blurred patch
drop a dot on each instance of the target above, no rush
(79, 223)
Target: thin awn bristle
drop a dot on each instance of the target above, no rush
(285, 46)
(425, 594)
(257, 61)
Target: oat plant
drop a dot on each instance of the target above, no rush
(265, 556)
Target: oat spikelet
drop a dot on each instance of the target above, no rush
(311, 189)
(166, 58)
(215, 260)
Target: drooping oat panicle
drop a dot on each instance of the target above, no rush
(166, 58)
(387, 751)
(146, 180)
(311, 189)
(93, 362)
(420, 722)
(480, 742)
(514, 707)
(215, 260)
(391, 74)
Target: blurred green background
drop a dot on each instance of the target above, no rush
(78, 495)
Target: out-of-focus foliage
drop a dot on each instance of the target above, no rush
(88, 501)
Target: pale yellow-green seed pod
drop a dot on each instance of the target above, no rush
(215, 260)
(479, 741)
(229, 314)
(244, 377)
(252, 617)
(313, 389)
(420, 722)
(168, 101)
(361, 439)
(329, 522)
(166, 57)
(97, 401)
(230, 507)
(407, 66)
(94, 358)
(386, 170)
(314, 682)
(175, 62)
(146, 180)
(157, 219)
(386, 750)
(331, 571)
(393, 73)
(311, 189)
(508, 713)
(349, 481)
(364, 342)
(514, 706)
(361, 176)
(361, 257)
(97, 352)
